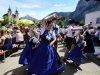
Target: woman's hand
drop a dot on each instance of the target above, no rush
(35, 46)
(83, 48)
(52, 42)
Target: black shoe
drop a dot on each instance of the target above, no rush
(28, 73)
(67, 58)
(24, 64)
(85, 57)
(76, 65)
(3, 61)
(64, 60)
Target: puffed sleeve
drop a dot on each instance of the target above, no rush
(96, 33)
(58, 29)
(84, 43)
(3, 37)
(35, 40)
(53, 34)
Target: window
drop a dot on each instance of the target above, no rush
(98, 20)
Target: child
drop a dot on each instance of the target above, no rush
(75, 54)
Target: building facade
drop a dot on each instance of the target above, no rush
(93, 17)
(9, 17)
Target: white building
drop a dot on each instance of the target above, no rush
(93, 17)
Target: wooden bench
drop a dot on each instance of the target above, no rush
(2, 52)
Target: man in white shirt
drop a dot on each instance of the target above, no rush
(55, 28)
(69, 35)
(62, 31)
(72, 32)
(69, 38)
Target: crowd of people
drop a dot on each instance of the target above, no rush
(40, 52)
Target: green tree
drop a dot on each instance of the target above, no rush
(82, 21)
(6, 20)
(14, 20)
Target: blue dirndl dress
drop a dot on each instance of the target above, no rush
(44, 61)
(75, 54)
(90, 45)
(27, 53)
(7, 45)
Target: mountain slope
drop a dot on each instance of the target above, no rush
(62, 14)
(84, 7)
(29, 18)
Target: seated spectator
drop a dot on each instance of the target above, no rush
(6, 43)
(19, 37)
(2, 37)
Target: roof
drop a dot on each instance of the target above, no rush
(94, 12)
(9, 9)
(5, 14)
(16, 11)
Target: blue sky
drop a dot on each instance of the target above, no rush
(37, 8)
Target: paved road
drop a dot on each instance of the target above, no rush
(88, 67)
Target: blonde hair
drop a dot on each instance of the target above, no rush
(33, 31)
(7, 32)
(81, 37)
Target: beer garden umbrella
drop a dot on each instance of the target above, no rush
(25, 21)
(1, 19)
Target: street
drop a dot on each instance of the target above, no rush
(88, 67)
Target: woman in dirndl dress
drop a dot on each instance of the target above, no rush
(28, 50)
(75, 54)
(90, 44)
(6, 40)
(44, 60)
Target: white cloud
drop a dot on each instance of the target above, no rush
(59, 5)
(25, 5)
(28, 6)
(17, 4)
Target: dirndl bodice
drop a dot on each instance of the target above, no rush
(7, 45)
(44, 39)
(80, 44)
